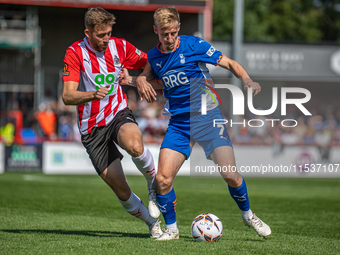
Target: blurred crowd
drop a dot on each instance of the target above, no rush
(321, 128)
(54, 121)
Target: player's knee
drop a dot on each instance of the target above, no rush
(163, 182)
(233, 181)
(135, 149)
(123, 195)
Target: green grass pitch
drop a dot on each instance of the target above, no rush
(67, 214)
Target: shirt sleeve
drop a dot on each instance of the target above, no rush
(72, 66)
(152, 64)
(135, 58)
(205, 52)
(155, 76)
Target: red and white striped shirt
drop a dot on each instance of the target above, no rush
(91, 69)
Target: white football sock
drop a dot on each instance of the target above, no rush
(247, 214)
(172, 227)
(146, 166)
(136, 208)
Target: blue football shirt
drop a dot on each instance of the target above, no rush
(184, 74)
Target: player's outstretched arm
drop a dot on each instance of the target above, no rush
(126, 79)
(241, 73)
(71, 96)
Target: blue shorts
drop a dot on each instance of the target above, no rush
(184, 131)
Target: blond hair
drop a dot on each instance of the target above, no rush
(98, 16)
(166, 17)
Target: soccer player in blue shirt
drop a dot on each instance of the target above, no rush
(178, 64)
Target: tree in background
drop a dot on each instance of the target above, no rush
(297, 21)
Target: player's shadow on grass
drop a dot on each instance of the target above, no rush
(190, 239)
(76, 232)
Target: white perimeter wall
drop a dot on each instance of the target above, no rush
(255, 161)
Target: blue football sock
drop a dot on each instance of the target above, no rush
(167, 205)
(240, 195)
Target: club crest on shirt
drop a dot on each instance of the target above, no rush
(116, 61)
(182, 58)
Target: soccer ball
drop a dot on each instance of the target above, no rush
(206, 227)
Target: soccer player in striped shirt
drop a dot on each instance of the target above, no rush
(90, 81)
(178, 63)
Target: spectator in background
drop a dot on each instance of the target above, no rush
(276, 134)
(7, 133)
(336, 137)
(258, 132)
(66, 121)
(47, 119)
(288, 137)
(323, 142)
(75, 129)
(308, 137)
(26, 105)
(65, 129)
(300, 130)
(243, 136)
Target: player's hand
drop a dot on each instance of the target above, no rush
(248, 83)
(101, 92)
(124, 77)
(145, 89)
